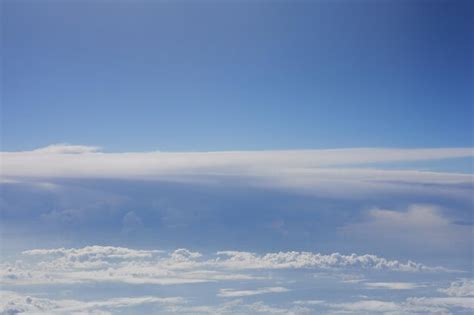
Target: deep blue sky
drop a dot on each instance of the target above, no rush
(205, 75)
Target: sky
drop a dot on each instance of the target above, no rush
(236, 157)
(203, 75)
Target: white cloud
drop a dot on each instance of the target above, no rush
(65, 148)
(240, 293)
(102, 264)
(368, 306)
(309, 302)
(117, 264)
(282, 260)
(393, 285)
(239, 307)
(463, 287)
(439, 302)
(420, 226)
(314, 171)
(13, 303)
(413, 305)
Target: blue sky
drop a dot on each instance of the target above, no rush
(236, 157)
(241, 75)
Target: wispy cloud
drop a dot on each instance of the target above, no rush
(15, 303)
(393, 285)
(239, 293)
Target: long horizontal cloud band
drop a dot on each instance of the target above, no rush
(117, 264)
(82, 161)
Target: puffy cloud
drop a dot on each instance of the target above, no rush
(240, 293)
(282, 260)
(91, 254)
(118, 264)
(107, 264)
(463, 287)
(65, 148)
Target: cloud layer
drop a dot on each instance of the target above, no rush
(84, 161)
(231, 274)
(116, 264)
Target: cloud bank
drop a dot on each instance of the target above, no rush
(337, 172)
(116, 264)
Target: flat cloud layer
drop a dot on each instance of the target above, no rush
(238, 293)
(337, 172)
(83, 161)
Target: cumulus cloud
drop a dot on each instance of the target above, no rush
(240, 293)
(282, 260)
(117, 264)
(463, 287)
(108, 264)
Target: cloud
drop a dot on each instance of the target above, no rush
(105, 265)
(393, 285)
(320, 170)
(463, 287)
(66, 149)
(368, 306)
(420, 303)
(421, 226)
(239, 307)
(282, 260)
(13, 303)
(309, 302)
(117, 264)
(413, 305)
(240, 293)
